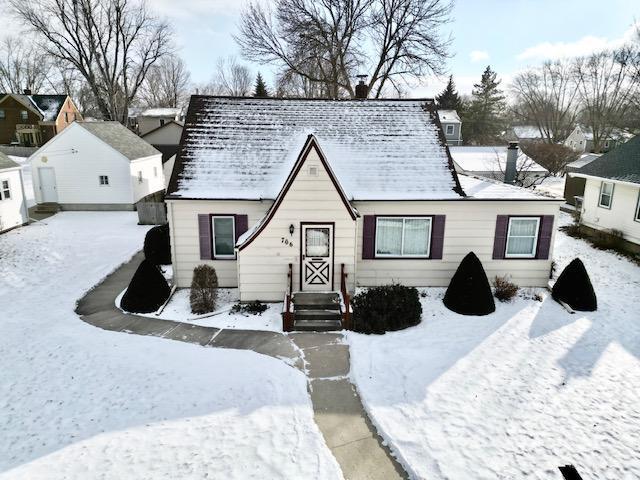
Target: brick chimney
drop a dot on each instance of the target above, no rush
(362, 91)
(511, 168)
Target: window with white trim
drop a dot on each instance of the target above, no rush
(24, 115)
(140, 176)
(103, 179)
(403, 236)
(637, 217)
(449, 129)
(223, 232)
(606, 195)
(522, 237)
(5, 191)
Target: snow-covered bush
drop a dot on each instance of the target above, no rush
(469, 292)
(251, 308)
(574, 288)
(504, 290)
(147, 291)
(204, 290)
(387, 308)
(157, 248)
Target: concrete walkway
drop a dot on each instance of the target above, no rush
(322, 356)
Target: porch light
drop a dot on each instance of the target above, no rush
(291, 229)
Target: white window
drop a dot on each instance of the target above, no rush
(403, 237)
(5, 191)
(449, 129)
(103, 179)
(606, 195)
(522, 237)
(24, 115)
(139, 176)
(223, 231)
(155, 172)
(2, 115)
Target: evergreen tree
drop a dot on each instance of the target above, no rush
(260, 89)
(483, 118)
(449, 98)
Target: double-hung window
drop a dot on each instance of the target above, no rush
(103, 179)
(606, 195)
(223, 232)
(403, 236)
(522, 237)
(5, 191)
(449, 129)
(2, 115)
(24, 115)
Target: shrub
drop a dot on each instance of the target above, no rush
(252, 308)
(387, 308)
(157, 248)
(204, 290)
(469, 292)
(504, 290)
(609, 240)
(574, 288)
(147, 291)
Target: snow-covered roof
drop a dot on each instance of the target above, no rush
(120, 138)
(244, 148)
(48, 105)
(160, 112)
(527, 132)
(584, 159)
(490, 159)
(448, 116)
(487, 189)
(6, 162)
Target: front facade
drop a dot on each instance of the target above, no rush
(152, 118)
(451, 126)
(96, 166)
(13, 206)
(581, 140)
(326, 203)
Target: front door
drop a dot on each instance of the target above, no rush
(47, 179)
(317, 257)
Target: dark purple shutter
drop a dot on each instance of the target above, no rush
(546, 231)
(437, 237)
(368, 236)
(242, 225)
(204, 228)
(500, 239)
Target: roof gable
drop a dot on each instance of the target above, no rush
(622, 163)
(120, 138)
(6, 162)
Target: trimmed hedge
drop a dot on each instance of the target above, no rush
(469, 292)
(574, 288)
(147, 291)
(204, 290)
(157, 248)
(385, 309)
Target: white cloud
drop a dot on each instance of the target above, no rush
(478, 56)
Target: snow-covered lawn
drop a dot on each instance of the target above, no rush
(517, 393)
(552, 185)
(77, 402)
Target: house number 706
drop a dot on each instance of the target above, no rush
(287, 242)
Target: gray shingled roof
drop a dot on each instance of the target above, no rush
(622, 163)
(6, 162)
(120, 138)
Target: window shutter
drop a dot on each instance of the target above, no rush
(368, 237)
(204, 227)
(437, 237)
(242, 225)
(544, 242)
(500, 238)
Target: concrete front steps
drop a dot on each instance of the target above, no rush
(317, 312)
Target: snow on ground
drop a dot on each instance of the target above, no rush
(553, 186)
(517, 393)
(26, 178)
(78, 402)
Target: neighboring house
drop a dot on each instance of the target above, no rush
(152, 118)
(574, 186)
(32, 120)
(581, 140)
(491, 162)
(612, 191)
(166, 139)
(13, 205)
(451, 126)
(96, 166)
(524, 133)
(261, 185)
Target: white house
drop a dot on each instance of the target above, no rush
(451, 126)
(96, 166)
(612, 191)
(328, 188)
(581, 140)
(166, 138)
(13, 205)
(152, 118)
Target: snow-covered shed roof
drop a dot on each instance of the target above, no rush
(527, 132)
(481, 188)
(448, 116)
(160, 112)
(6, 162)
(490, 159)
(584, 159)
(120, 138)
(244, 148)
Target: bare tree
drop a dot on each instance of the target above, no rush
(547, 97)
(326, 42)
(552, 156)
(232, 78)
(111, 43)
(166, 84)
(528, 173)
(23, 66)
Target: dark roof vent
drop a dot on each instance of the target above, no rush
(362, 91)
(27, 91)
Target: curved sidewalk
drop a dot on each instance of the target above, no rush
(323, 357)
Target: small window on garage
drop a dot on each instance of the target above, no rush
(5, 191)
(637, 218)
(104, 179)
(140, 179)
(155, 172)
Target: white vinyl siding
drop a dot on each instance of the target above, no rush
(606, 195)
(223, 233)
(403, 236)
(13, 211)
(522, 237)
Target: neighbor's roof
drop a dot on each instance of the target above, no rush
(490, 159)
(584, 159)
(120, 138)
(487, 189)
(47, 106)
(160, 112)
(527, 131)
(6, 162)
(244, 148)
(448, 116)
(622, 163)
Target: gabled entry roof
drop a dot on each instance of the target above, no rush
(240, 148)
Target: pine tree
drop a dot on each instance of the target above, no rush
(483, 119)
(260, 89)
(449, 98)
